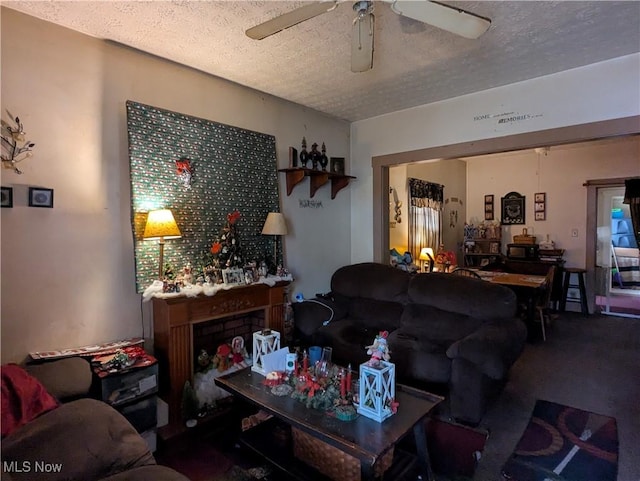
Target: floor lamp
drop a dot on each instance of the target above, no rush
(275, 225)
(160, 226)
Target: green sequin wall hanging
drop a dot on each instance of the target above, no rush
(202, 171)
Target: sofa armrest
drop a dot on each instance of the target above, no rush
(493, 348)
(64, 379)
(312, 314)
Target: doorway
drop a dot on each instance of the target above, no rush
(617, 270)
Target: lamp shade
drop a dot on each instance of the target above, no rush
(426, 254)
(161, 224)
(275, 224)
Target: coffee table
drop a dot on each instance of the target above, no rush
(363, 438)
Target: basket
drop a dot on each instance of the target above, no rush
(524, 239)
(332, 462)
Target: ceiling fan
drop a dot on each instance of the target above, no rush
(445, 17)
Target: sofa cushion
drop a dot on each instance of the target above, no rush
(436, 324)
(419, 358)
(87, 438)
(64, 378)
(348, 338)
(23, 398)
(463, 295)
(375, 314)
(372, 281)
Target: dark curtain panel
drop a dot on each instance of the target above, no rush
(632, 197)
(422, 192)
(425, 216)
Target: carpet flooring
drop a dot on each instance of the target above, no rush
(564, 443)
(588, 362)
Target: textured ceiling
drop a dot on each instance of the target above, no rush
(309, 64)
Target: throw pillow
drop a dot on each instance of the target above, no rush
(23, 398)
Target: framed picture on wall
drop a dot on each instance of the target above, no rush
(6, 197)
(488, 207)
(540, 206)
(40, 197)
(540, 215)
(513, 212)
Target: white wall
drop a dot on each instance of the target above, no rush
(68, 272)
(561, 175)
(603, 91)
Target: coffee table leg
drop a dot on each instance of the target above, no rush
(366, 472)
(421, 450)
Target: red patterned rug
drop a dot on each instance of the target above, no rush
(562, 443)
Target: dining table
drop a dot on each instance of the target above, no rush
(528, 287)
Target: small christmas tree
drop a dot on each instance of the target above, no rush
(226, 248)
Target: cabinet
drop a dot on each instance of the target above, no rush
(481, 251)
(317, 178)
(133, 393)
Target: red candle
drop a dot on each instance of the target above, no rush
(349, 378)
(305, 361)
(343, 385)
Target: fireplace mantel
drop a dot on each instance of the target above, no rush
(173, 320)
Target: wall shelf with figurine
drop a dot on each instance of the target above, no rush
(318, 178)
(317, 173)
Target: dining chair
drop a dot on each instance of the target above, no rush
(544, 301)
(461, 271)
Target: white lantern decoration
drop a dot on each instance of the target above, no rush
(264, 342)
(377, 390)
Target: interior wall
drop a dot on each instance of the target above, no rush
(542, 104)
(68, 272)
(560, 174)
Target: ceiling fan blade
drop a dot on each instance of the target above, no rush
(362, 43)
(290, 19)
(451, 19)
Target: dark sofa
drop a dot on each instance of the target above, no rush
(445, 331)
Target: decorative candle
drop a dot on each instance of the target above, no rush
(343, 384)
(349, 378)
(305, 361)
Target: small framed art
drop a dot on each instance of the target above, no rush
(293, 157)
(40, 197)
(337, 165)
(6, 197)
(488, 207)
(540, 206)
(233, 276)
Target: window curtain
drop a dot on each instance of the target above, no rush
(425, 216)
(632, 197)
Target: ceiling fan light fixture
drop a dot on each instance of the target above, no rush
(445, 17)
(362, 43)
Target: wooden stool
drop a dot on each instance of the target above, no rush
(583, 291)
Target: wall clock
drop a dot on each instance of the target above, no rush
(512, 209)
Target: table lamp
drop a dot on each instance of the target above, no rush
(161, 225)
(275, 225)
(426, 254)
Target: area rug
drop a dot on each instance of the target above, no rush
(562, 443)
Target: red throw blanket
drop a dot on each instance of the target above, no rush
(23, 398)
